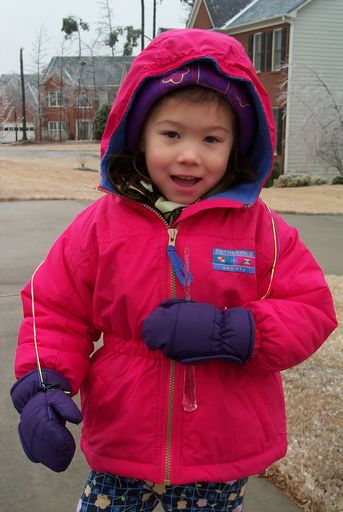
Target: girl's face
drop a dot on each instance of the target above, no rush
(187, 146)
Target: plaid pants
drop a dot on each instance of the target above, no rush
(112, 493)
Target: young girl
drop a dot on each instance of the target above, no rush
(202, 294)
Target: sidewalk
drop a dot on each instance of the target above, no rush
(27, 231)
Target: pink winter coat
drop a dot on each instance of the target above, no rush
(110, 269)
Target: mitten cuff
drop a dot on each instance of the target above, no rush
(238, 333)
(29, 385)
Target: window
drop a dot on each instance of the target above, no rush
(278, 115)
(257, 52)
(267, 50)
(84, 100)
(277, 49)
(84, 129)
(54, 128)
(55, 99)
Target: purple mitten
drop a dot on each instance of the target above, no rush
(44, 412)
(193, 332)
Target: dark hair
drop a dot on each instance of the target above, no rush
(127, 171)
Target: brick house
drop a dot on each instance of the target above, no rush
(73, 89)
(306, 36)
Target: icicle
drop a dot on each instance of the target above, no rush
(189, 399)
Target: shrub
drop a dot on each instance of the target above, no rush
(100, 121)
(276, 172)
(292, 180)
(338, 180)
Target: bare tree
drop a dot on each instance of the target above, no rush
(11, 96)
(63, 96)
(112, 33)
(322, 127)
(5, 112)
(70, 26)
(94, 96)
(39, 55)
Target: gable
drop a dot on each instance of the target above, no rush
(221, 10)
(214, 13)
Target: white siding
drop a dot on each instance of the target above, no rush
(316, 43)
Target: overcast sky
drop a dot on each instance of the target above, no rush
(20, 22)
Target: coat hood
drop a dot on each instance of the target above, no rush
(166, 54)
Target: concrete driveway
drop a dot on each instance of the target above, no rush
(27, 230)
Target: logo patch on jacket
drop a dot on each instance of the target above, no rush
(234, 261)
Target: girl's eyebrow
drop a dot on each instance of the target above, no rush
(180, 125)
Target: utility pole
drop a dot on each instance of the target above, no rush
(22, 81)
(154, 20)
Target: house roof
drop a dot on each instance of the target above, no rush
(259, 10)
(90, 71)
(221, 11)
(10, 85)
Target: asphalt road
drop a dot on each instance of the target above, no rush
(47, 153)
(27, 230)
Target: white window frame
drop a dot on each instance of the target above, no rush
(257, 52)
(87, 122)
(277, 49)
(54, 127)
(55, 99)
(84, 96)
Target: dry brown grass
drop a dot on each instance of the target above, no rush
(49, 177)
(312, 471)
(325, 199)
(37, 177)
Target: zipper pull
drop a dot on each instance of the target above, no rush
(172, 232)
(183, 274)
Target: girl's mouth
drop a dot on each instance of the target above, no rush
(185, 181)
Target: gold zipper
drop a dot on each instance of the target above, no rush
(122, 196)
(172, 233)
(170, 421)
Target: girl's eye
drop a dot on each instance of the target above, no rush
(211, 139)
(171, 134)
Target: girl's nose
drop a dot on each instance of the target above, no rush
(188, 155)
